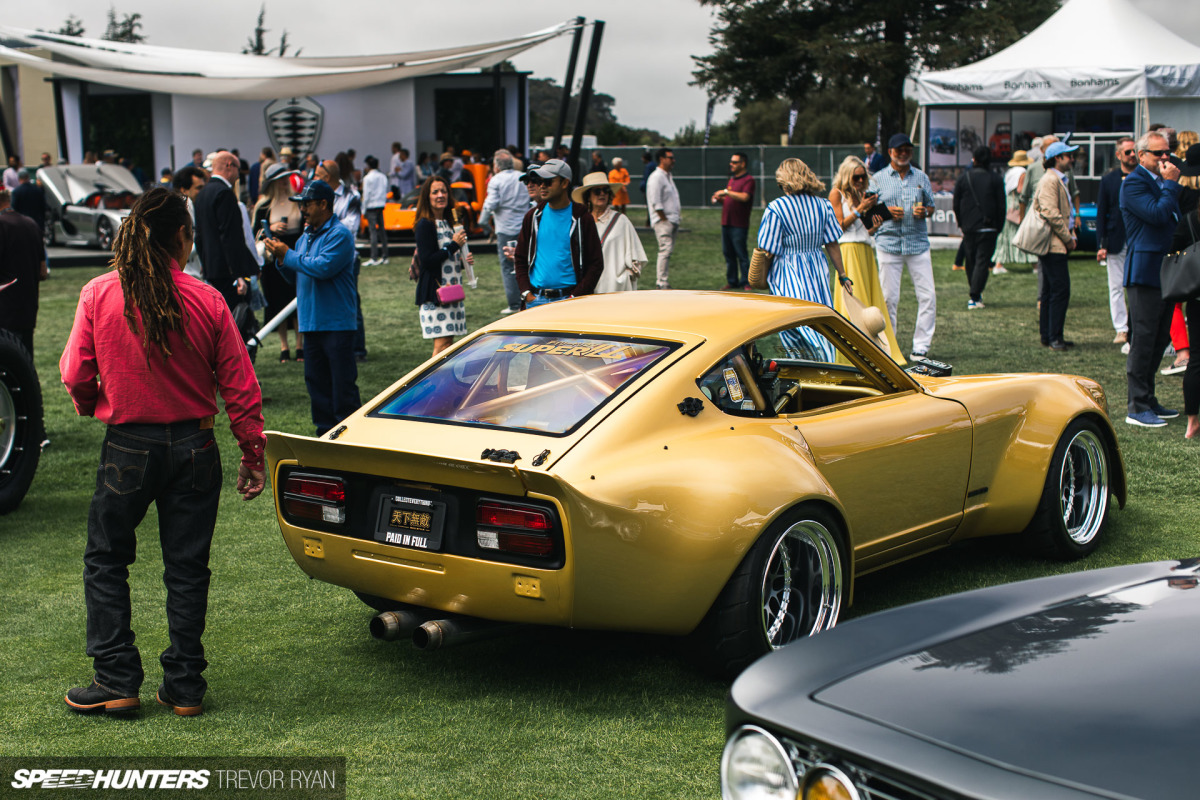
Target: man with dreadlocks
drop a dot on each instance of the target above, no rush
(149, 350)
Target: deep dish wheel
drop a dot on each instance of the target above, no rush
(20, 421)
(1074, 506)
(789, 586)
(801, 592)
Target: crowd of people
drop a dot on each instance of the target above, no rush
(197, 250)
(1147, 208)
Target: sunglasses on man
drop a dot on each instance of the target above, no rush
(1159, 153)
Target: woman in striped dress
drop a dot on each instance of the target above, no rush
(795, 229)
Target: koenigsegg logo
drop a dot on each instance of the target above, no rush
(110, 779)
(295, 122)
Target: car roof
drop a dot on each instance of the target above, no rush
(75, 182)
(720, 317)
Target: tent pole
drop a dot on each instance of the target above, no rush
(567, 86)
(585, 97)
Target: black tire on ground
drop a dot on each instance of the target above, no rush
(1073, 510)
(790, 585)
(20, 421)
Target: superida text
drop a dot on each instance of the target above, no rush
(606, 350)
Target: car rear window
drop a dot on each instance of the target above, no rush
(519, 381)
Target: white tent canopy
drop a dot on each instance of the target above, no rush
(1087, 51)
(247, 77)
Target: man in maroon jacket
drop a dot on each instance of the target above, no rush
(558, 252)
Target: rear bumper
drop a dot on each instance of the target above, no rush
(454, 584)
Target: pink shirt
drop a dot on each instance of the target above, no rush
(106, 371)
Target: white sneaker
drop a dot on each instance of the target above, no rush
(382, 261)
(370, 262)
(1125, 349)
(508, 310)
(1000, 270)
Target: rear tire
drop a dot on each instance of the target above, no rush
(20, 421)
(1074, 506)
(789, 586)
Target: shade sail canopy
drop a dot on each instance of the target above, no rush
(246, 77)
(1088, 50)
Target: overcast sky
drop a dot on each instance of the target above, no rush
(645, 61)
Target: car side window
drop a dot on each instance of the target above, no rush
(792, 371)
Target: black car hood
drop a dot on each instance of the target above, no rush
(1100, 691)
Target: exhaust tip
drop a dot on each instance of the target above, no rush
(387, 626)
(428, 636)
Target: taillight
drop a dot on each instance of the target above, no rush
(514, 529)
(316, 497)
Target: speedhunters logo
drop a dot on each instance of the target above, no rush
(110, 779)
(252, 777)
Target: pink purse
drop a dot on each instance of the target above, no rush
(451, 294)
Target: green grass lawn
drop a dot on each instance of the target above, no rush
(544, 714)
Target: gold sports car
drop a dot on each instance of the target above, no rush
(686, 462)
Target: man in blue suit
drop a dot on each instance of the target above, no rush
(1150, 208)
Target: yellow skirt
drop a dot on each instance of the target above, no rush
(858, 258)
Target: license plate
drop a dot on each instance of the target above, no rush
(414, 522)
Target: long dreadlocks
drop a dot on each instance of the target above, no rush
(142, 255)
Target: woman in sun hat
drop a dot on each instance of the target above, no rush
(282, 217)
(1014, 184)
(624, 255)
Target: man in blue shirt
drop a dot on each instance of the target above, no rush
(322, 268)
(903, 241)
(558, 251)
(1150, 208)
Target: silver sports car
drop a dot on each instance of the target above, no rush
(86, 203)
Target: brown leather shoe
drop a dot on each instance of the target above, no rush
(165, 699)
(96, 699)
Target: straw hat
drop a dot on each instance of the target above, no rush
(867, 319)
(1020, 159)
(591, 181)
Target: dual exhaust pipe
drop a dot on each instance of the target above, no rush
(431, 634)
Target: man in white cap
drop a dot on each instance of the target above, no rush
(902, 242)
(558, 251)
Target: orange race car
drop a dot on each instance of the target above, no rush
(399, 216)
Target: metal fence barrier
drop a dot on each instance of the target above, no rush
(700, 171)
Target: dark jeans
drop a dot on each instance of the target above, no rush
(176, 467)
(379, 243)
(737, 259)
(331, 375)
(1054, 293)
(360, 336)
(1149, 334)
(978, 247)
